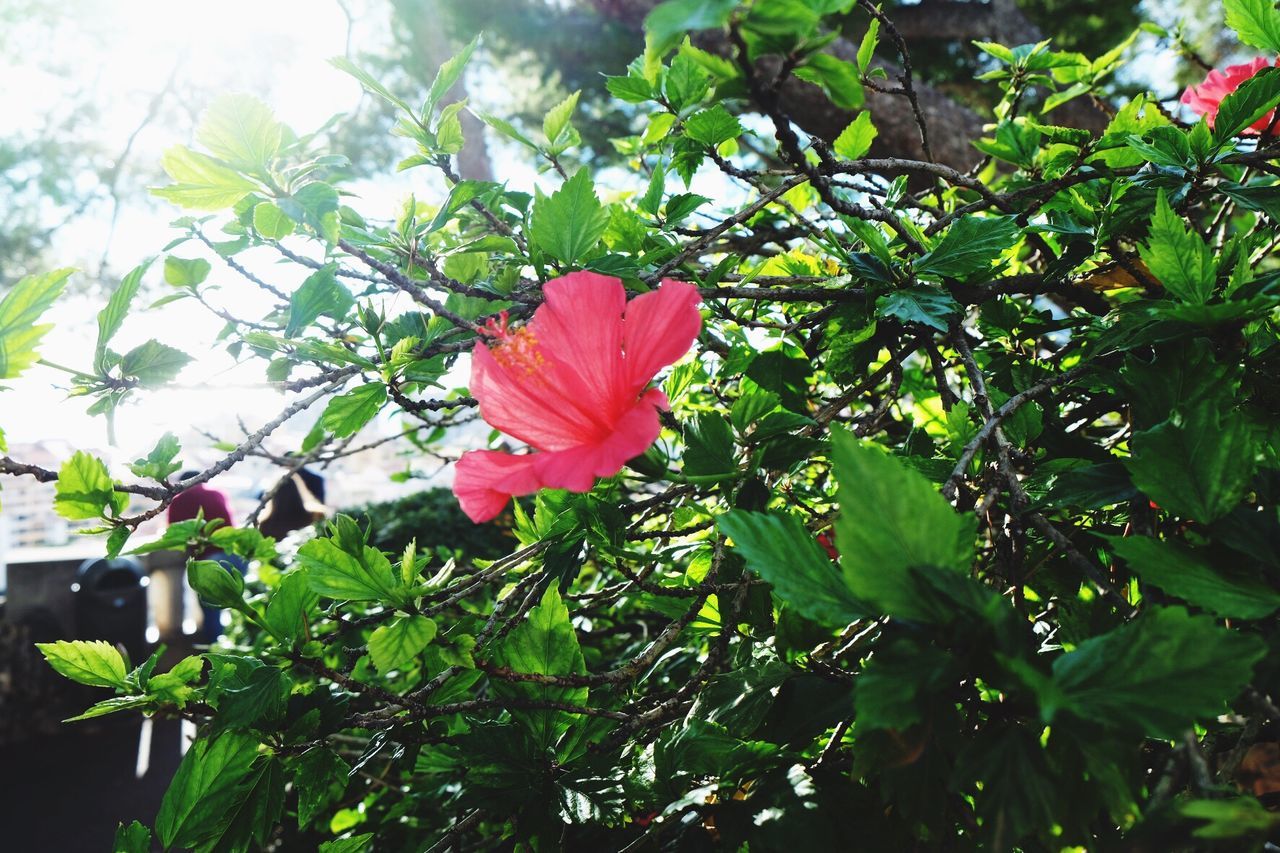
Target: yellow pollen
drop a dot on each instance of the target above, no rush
(519, 350)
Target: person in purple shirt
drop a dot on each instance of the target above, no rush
(211, 503)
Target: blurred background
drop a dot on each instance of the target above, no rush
(93, 91)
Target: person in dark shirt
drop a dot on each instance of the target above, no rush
(297, 503)
(202, 501)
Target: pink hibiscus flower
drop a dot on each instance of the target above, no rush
(1207, 97)
(573, 384)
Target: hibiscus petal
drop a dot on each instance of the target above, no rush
(528, 407)
(579, 327)
(484, 480)
(577, 468)
(658, 328)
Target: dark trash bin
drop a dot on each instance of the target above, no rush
(111, 604)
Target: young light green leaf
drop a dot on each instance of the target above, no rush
(396, 644)
(449, 74)
(85, 489)
(112, 316)
(92, 662)
(347, 413)
(867, 47)
(241, 130)
(201, 182)
(1178, 256)
(21, 307)
(556, 121)
(779, 549)
(153, 363)
(369, 82)
(271, 222)
(1186, 575)
(855, 140)
(568, 223)
(161, 461)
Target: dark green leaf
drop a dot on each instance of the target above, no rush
(1186, 575)
(212, 781)
(779, 549)
(544, 644)
(970, 245)
(923, 305)
(1156, 674)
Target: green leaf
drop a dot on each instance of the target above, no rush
(855, 140)
(216, 584)
(709, 454)
(212, 781)
(85, 489)
(891, 520)
(450, 72)
(93, 662)
(112, 316)
(899, 685)
(556, 122)
(134, 838)
(1185, 574)
(838, 78)
(1156, 674)
(1249, 103)
(923, 305)
(111, 706)
(290, 604)
(241, 130)
(1256, 22)
(779, 549)
(670, 22)
(867, 47)
(351, 844)
(396, 644)
(369, 82)
(19, 310)
(347, 413)
(543, 644)
(201, 182)
(568, 223)
(321, 776)
(153, 363)
(969, 246)
(161, 462)
(315, 204)
(1197, 465)
(271, 222)
(335, 573)
(319, 294)
(1178, 256)
(712, 126)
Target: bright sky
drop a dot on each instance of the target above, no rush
(276, 50)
